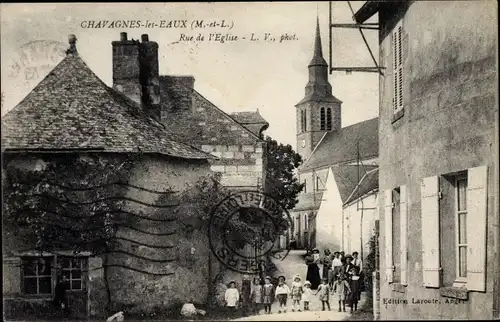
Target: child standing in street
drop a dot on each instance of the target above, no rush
(306, 296)
(257, 295)
(354, 287)
(324, 293)
(297, 291)
(282, 291)
(232, 297)
(267, 294)
(341, 288)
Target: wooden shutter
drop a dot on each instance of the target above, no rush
(430, 232)
(389, 265)
(476, 228)
(404, 234)
(397, 66)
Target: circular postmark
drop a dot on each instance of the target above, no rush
(28, 65)
(35, 59)
(244, 230)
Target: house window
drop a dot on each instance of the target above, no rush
(326, 119)
(37, 275)
(396, 235)
(397, 59)
(318, 183)
(461, 232)
(305, 186)
(454, 229)
(71, 268)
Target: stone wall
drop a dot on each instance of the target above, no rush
(449, 124)
(133, 278)
(241, 166)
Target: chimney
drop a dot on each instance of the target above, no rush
(126, 68)
(150, 75)
(180, 91)
(135, 71)
(72, 46)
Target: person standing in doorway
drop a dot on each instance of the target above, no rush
(60, 299)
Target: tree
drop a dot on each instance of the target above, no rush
(281, 180)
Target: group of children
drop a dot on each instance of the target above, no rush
(345, 288)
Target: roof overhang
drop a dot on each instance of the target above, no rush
(367, 11)
(370, 8)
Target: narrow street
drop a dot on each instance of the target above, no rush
(294, 264)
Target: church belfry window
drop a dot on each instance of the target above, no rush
(326, 119)
(303, 121)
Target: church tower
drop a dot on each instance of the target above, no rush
(319, 111)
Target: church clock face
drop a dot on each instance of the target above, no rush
(303, 143)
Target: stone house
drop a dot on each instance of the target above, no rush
(323, 142)
(235, 139)
(438, 158)
(73, 114)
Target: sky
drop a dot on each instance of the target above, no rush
(239, 75)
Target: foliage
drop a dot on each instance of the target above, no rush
(65, 203)
(281, 181)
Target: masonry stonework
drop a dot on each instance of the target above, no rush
(450, 115)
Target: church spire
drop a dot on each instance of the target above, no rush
(318, 59)
(318, 85)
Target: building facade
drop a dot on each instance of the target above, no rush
(438, 139)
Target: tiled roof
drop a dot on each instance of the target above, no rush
(341, 146)
(346, 177)
(252, 121)
(309, 201)
(248, 117)
(318, 98)
(72, 109)
(206, 124)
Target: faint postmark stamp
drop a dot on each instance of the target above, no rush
(244, 229)
(35, 59)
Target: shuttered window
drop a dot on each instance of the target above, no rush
(430, 232)
(476, 228)
(403, 215)
(469, 215)
(322, 119)
(397, 63)
(388, 205)
(326, 119)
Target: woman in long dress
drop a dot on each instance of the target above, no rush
(312, 270)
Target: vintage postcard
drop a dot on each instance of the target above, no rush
(251, 161)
